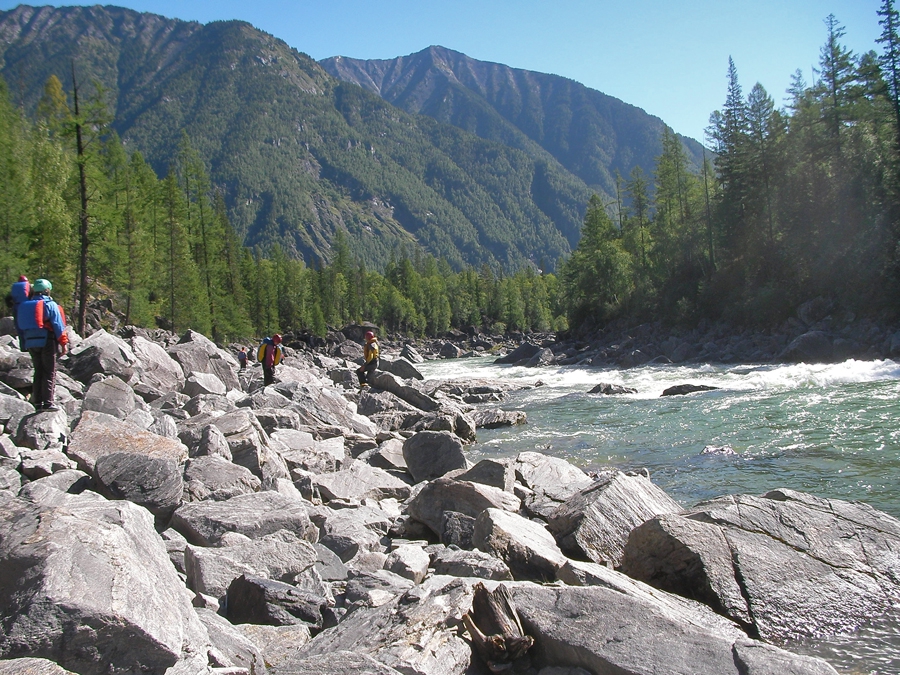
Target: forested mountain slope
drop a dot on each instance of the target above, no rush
(591, 134)
(300, 155)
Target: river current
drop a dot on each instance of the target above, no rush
(832, 430)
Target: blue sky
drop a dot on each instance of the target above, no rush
(669, 58)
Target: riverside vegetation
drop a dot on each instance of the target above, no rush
(796, 204)
(176, 516)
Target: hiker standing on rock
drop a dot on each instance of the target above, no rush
(42, 325)
(370, 356)
(242, 358)
(270, 355)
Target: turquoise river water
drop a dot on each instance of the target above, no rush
(830, 430)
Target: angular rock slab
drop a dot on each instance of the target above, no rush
(597, 520)
(254, 515)
(158, 369)
(338, 663)
(416, 633)
(359, 482)
(431, 454)
(470, 499)
(87, 583)
(30, 666)
(689, 558)
(281, 556)
(525, 546)
(553, 480)
(806, 566)
(111, 396)
(605, 631)
(98, 434)
(152, 482)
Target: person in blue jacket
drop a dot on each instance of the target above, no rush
(42, 324)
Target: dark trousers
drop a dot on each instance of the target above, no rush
(268, 375)
(44, 385)
(363, 371)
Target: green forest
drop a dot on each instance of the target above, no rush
(791, 204)
(794, 204)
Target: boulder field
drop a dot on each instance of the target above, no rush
(177, 517)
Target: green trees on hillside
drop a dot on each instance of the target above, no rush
(163, 251)
(801, 202)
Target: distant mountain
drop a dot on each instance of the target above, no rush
(300, 155)
(590, 134)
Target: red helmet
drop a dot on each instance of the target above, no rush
(276, 338)
(370, 336)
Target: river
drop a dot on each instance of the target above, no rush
(832, 430)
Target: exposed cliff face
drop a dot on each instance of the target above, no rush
(591, 134)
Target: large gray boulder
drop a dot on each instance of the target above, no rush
(196, 353)
(431, 454)
(320, 405)
(203, 383)
(88, 583)
(98, 434)
(110, 396)
(32, 666)
(13, 408)
(786, 564)
(408, 561)
(41, 431)
(258, 600)
(812, 347)
(527, 548)
(254, 515)
(215, 476)
(403, 390)
(551, 480)
(465, 497)
(349, 532)
(595, 522)
(608, 631)
(103, 354)
(361, 481)
(249, 445)
(415, 633)
(523, 352)
(157, 368)
(232, 648)
(337, 663)
(470, 564)
(400, 367)
(282, 556)
(152, 482)
(279, 645)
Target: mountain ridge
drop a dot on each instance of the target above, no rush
(300, 155)
(511, 105)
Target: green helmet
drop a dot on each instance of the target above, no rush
(41, 286)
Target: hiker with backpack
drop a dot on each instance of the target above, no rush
(370, 359)
(42, 333)
(270, 355)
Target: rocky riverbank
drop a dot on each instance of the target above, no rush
(815, 335)
(175, 516)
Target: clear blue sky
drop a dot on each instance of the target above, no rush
(669, 58)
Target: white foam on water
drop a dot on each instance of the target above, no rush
(650, 381)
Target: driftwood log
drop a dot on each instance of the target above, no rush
(496, 629)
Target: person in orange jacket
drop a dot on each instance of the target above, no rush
(370, 357)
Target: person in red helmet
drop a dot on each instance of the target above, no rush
(270, 355)
(370, 358)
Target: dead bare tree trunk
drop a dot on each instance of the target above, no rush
(495, 628)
